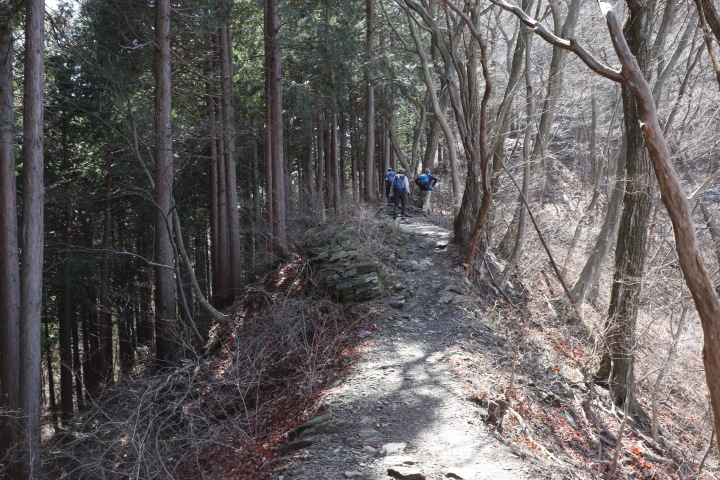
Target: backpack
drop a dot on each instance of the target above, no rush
(390, 176)
(423, 181)
(399, 182)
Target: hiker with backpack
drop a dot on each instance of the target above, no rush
(426, 182)
(389, 177)
(401, 190)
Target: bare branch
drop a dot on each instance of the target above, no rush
(567, 44)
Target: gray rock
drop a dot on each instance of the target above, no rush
(398, 303)
(445, 299)
(353, 474)
(368, 433)
(399, 460)
(406, 473)
(393, 448)
(298, 445)
(459, 473)
(369, 450)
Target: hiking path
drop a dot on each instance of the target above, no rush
(404, 410)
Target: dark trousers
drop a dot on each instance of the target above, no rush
(400, 197)
(388, 188)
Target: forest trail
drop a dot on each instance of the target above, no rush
(406, 387)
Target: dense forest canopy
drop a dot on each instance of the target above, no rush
(159, 157)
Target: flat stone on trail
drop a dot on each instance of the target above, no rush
(368, 433)
(299, 445)
(399, 460)
(406, 473)
(393, 449)
(353, 474)
(445, 299)
(369, 450)
(459, 473)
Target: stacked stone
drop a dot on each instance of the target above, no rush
(341, 268)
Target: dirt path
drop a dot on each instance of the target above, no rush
(405, 389)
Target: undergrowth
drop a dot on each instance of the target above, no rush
(224, 416)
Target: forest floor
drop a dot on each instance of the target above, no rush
(405, 409)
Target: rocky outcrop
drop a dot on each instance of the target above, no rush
(340, 265)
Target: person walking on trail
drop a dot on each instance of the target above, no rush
(389, 177)
(401, 189)
(426, 182)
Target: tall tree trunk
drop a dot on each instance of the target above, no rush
(229, 129)
(320, 157)
(223, 253)
(608, 230)
(439, 114)
(166, 328)
(274, 142)
(33, 239)
(369, 190)
(215, 265)
(617, 363)
(105, 325)
(433, 136)
(9, 264)
(125, 319)
(65, 315)
(335, 162)
(52, 397)
(555, 79)
(76, 362)
(527, 167)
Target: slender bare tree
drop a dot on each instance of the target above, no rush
(674, 198)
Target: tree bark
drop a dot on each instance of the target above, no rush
(166, 328)
(229, 133)
(221, 288)
(274, 152)
(65, 315)
(33, 239)
(370, 192)
(617, 363)
(9, 261)
(105, 326)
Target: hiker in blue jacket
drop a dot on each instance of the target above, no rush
(426, 182)
(389, 177)
(401, 190)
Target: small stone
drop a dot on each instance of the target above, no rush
(369, 450)
(458, 473)
(399, 460)
(299, 445)
(327, 428)
(393, 448)
(445, 299)
(353, 474)
(398, 303)
(406, 473)
(368, 433)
